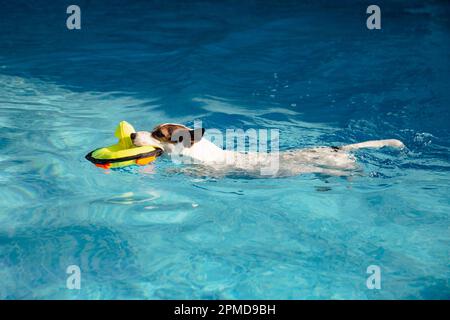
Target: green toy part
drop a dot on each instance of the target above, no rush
(123, 153)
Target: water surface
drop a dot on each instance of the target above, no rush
(311, 70)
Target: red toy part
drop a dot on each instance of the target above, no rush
(105, 166)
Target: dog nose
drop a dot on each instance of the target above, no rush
(132, 136)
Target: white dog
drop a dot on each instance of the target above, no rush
(188, 145)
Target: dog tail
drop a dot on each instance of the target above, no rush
(374, 144)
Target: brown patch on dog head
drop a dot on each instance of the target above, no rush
(175, 133)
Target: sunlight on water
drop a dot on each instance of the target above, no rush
(157, 232)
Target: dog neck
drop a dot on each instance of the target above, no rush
(205, 151)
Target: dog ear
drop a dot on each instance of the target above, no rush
(186, 136)
(181, 135)
(196, 134)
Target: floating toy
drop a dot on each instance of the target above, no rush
(123, 153)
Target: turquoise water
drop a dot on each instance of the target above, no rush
(311, 70)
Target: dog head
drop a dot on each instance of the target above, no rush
(168, 136)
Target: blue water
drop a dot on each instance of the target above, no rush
(310, 69)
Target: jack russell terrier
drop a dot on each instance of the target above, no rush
(182, 143)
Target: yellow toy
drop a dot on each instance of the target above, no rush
(123, 153)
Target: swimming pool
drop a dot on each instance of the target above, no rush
(312, 70)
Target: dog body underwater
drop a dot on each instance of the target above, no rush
(188, 146)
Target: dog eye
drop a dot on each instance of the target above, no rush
(158, 134)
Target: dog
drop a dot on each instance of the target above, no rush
(189, 146)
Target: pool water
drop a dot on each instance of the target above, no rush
(311, 70)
